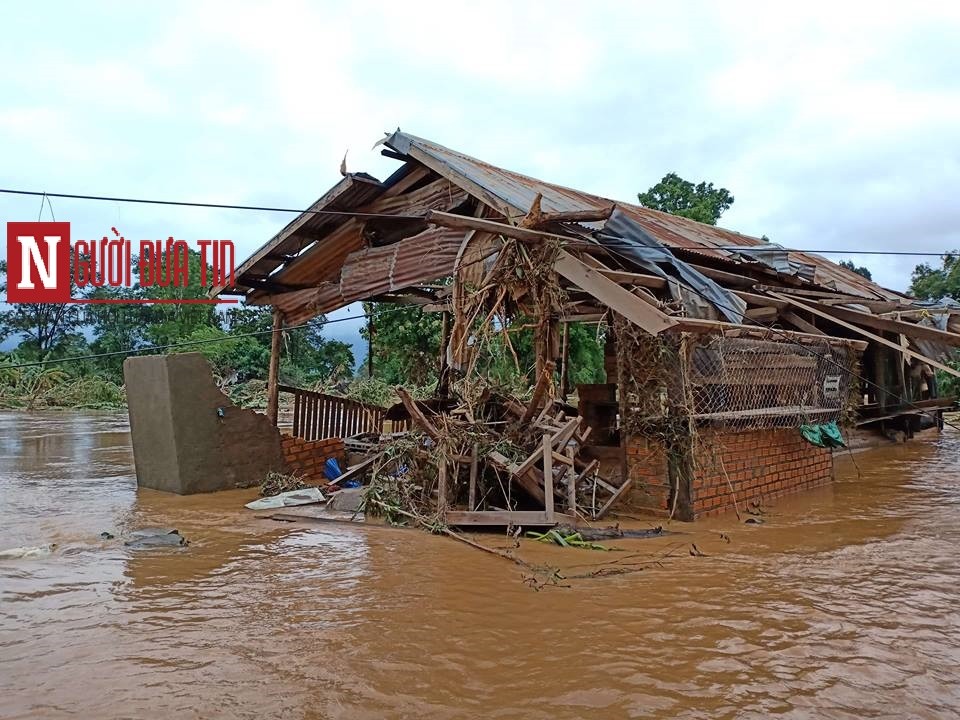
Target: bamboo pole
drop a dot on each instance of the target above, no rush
(273, 375)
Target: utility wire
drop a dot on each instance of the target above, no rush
(352, 213)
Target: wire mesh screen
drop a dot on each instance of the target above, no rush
(752, 383)
(671, 383)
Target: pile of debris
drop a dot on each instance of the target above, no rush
(492, 461)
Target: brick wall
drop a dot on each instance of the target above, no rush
(647, 470)
(306, 457)
(760, 464)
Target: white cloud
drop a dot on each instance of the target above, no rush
(831, 123)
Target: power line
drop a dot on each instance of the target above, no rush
(758, 248)
(351, 213)
(219, 206)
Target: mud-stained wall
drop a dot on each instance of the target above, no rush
(760, 465)
(187, 435)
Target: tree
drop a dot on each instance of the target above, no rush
(703, 203)
(862, 271)
(406, 343)
(46, 327)
(928, 283)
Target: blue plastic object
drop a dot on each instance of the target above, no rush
(331, 469)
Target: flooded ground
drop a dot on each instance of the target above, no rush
(844, 603)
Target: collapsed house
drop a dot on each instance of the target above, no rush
(718, 346)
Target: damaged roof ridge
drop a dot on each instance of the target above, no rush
(608, 200)
(668, 224)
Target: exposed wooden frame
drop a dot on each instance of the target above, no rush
(621, 276)
(612, 295)
(922, 332)
(876, 338)
(762, 333)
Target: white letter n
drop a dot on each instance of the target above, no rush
(47, 274)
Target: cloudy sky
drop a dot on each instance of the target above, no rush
(835, 125)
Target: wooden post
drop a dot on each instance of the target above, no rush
(474, 460)
(273, 375)
(442, 486)
(564, 361)
(571, 484)
(443, 387)
(370, 330)
(548, 477)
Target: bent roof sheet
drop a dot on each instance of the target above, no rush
(516, 192)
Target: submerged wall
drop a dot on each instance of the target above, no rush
(760, 465)
(187, 435)
(306, 458)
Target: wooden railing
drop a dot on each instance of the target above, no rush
(318, 415)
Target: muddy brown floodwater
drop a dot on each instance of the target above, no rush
(844, 603)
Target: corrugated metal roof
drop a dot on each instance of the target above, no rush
(373, 271)
(517, 192)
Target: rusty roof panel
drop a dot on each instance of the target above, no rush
(518, 192)
(369, 272)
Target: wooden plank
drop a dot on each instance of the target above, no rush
(763, 314)
(355, 470)
(562, 437)
(442, 485)
(591, 215)
(612, 295)
(734, 330)
(474, 472)
(314, 413)
(818, 294)
(876, 338)
(506, 517)
(539, 391)
(564, 360)
(415, 174)
(761, 300)
(524, 480)
(737, 281)
(527, 464)
(613, 498)
(921, 332)
(874, 306)
(571, 485)
(548, 477)
(273, 372)
(417, 415)
(621, 276)
(797, 321)
(297, 408)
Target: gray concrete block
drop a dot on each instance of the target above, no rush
(180, 442)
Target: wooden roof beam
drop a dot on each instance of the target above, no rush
(876, 338)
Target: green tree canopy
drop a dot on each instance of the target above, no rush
(859, 270)
(929, 283)
(703, 203)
